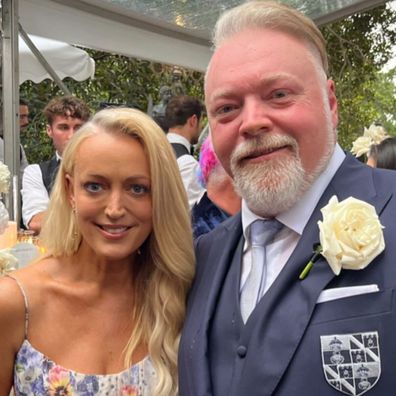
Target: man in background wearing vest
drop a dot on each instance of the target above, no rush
(183, 117)
(65, 115)
(23, 123)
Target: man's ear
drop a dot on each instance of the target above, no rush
(193, 121)
(70, 189)
(49, 130)
(332, 102)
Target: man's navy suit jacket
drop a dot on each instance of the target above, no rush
(284, 354)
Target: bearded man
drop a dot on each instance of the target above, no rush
(271, 312)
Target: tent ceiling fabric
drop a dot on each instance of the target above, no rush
(202, 14)
(66, 60)
(117, 33)
(173, 31)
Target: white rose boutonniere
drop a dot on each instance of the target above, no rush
(350, 235)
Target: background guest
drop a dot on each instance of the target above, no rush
(23, 113)
(65, 115)
(23, 123)
(184, 118)
(220, 200)
(383, 155)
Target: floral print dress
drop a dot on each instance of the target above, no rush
(37, 375)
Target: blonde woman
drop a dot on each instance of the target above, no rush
(101, 313)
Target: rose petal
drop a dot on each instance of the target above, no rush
(350, 234)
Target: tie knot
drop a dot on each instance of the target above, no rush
(263, 231)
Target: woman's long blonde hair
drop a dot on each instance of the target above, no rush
(167, 258)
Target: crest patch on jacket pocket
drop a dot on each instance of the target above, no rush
(351, 362)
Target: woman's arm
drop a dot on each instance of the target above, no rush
(12, 330)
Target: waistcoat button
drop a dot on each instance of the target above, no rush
(241, 351)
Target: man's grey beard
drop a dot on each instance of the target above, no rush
(274, 186)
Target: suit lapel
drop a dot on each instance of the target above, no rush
(216, 259)
(220, 258)
(279, 322)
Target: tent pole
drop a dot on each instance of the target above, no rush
(10, 97)
(43, 61)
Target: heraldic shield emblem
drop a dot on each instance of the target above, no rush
(351, 362)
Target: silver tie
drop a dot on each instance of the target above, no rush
(261, 233)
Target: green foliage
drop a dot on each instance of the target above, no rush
(358, 48)
(119, 80)
(37, 144)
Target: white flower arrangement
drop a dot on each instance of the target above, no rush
(4, 187)
(3, 218)
(8, 262)
(375, 134)
(4, 178)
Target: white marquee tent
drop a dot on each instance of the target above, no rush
(172, 31)
(66, 60)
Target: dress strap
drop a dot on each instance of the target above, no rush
(26, 303)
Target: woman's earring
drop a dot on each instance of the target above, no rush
(75, 233)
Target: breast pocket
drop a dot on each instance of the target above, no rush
(370, 304)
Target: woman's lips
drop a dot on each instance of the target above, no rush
(113, 231)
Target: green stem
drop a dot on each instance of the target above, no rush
(306, 270)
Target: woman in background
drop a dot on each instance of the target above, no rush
(101, 313)
(383, 155)
(220, 200)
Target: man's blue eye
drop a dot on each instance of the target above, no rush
(225, 109)
(279, 94)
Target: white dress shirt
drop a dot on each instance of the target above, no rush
(189, 168)
(294, 221)
(35, 197)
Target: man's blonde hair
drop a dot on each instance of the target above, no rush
(270, 15)
(166, 262)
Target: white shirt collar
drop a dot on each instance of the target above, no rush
(176, 138)
(297, 216)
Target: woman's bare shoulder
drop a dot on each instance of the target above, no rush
(17, 290)
(20, 283)
(35, 273)
(12, 327)
(12, 310)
